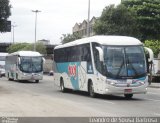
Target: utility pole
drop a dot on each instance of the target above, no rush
(88, 23)
(13, 26)
(36, 11)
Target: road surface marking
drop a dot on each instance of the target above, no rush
(152, 100)
(154, 93)
(157, 114)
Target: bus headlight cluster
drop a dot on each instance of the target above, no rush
(107, 89)
(24, 74)
(111, 82)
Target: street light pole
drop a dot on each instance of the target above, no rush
(13, 26)
(36, 11)
(88, 24)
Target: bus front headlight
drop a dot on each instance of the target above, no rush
(24, 74)
(111, 82)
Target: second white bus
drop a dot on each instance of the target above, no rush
(103, 65)
(24, 65)
(2, 63)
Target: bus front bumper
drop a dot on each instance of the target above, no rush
(33, 76)
(126, 90)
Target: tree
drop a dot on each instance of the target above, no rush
(4, 14)
(137, 18)
(16, 47)
(154, 45)
(70, 37)
(41, 48)
(27, 47)
(148, 17)
(117, 21)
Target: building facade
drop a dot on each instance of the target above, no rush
(81, 28)
(45, 42)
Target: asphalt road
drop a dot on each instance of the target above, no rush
(43, 99)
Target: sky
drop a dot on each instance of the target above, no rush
(57, 17)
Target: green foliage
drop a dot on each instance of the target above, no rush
(27, 47)
(41, 48)
(137, 18)
(154, 45)
(16, 47)
(117, 21)
(69, 37)
(148, 17)
(4, 13)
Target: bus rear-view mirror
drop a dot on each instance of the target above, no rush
(43, 59)
(101, 58)
(19, 60)
(151, 55)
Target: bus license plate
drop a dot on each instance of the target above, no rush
(128, 90)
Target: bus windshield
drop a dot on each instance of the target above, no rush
(124, 62)
(2, 58)
(31, 64)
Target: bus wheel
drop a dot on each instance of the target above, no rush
(9, 79)
(63, 89)
(91, 90)
(17, 77)
(37, 81)
(128, 96)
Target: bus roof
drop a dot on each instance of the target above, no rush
(3, 54)
(26, 53)
(104, 40)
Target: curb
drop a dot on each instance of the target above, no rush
(154, 86)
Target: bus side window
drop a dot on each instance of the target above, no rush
(86, 54)
(75, 54)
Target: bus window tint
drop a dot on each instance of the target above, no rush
(31, 64)
(37, 64)
(124, 61)
(26, 64)
(114, 59)
(98, 64)
(86, 54)
(135, 60)
(73, 54)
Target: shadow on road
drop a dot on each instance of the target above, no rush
(26, 82)
(102, 97)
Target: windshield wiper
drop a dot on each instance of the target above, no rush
(129, 63)
(34, 66)
(120, 69)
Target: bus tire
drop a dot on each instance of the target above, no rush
(91, 90)
(37, 81)
(9, 79)
(63, 89)
(128, 96)
(17, 77)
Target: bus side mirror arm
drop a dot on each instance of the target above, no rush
(151, 55)
(19, 60)
(43, 59)
(101, 58)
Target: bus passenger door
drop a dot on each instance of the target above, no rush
(99, 72)
(82, 75)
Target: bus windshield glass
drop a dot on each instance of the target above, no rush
(124, 62)
(31, 64)
(2, 58)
